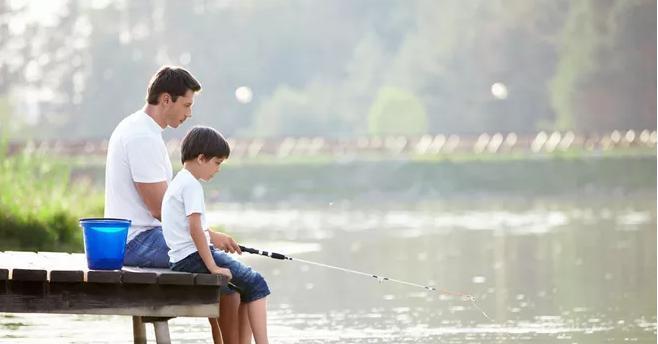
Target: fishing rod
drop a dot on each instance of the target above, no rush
(380, 279)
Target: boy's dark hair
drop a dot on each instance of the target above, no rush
(206, 141)
(173, 80)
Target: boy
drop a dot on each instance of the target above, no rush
(186, 232)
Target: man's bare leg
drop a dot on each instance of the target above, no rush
(228, 318)
(216, 333)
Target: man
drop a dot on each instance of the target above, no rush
(137, 173)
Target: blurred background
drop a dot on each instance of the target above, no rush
(503, 148)
(333, 68)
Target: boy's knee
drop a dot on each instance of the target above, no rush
(257, 288)
(257, 280)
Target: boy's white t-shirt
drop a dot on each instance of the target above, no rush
(136, 152)
(183, 197)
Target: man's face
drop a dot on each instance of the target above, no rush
(177, 112)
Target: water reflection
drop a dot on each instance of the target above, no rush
(579, 272)
(584, 272)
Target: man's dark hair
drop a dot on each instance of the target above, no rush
(206, 141)
(173, 80)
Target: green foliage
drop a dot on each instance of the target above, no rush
(606, 73)
(580, 42)
(287, 107)
(315, 66)
(462, 176)
(313, 111)
(396, 111)
(40, 205)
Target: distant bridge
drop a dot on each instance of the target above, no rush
(385, 146)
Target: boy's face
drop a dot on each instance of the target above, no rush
(208, 167)
(177, 112)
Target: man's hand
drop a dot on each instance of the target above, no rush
(224, 242)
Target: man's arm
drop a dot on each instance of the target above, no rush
(152, 194)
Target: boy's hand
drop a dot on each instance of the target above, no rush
(222, 271)
(224, 242)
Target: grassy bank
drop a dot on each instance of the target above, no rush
(42, 197)
(414, 180)
(568, 174)
(40, 204)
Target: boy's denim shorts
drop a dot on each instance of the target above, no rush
(251, 284)
(148, 250)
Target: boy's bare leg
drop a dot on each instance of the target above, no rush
(258, 320)
(245, 327)
(216, 333)
(228, 318)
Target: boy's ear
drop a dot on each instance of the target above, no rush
(201, 158)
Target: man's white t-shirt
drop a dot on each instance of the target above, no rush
(183, 197)
(136, 152)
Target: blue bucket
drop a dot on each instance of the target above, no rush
(105, 242)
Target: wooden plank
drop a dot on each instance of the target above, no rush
(30, 266)
(100, 298)
(64, 260)
(209, 310)
(165, 276)
(63, 266)
(69, 276)
(210, 279)
(31, 291)
(141, 269)
(19, 259)
(66, 267)
(102, 276)
(78, 259)
(22, 266)
(176, 278)
(4, 274)
(147, 271)
(139, 277)
(30, 275)
(155, 319)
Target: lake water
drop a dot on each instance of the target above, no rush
(545, 271)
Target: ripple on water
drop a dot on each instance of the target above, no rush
(321, 224)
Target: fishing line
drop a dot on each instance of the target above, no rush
(380, 279)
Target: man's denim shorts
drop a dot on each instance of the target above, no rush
(251, 284)
(148, 250)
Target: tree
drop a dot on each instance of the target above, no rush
(396, 111)
(606, 75)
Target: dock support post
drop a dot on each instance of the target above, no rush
(139, 330)
(161, 332)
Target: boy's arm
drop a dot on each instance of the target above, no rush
(224, 242)
(152, 194)
(201, 244)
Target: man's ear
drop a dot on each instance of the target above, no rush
(165, 98)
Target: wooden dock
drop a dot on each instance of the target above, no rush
(55, 282)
